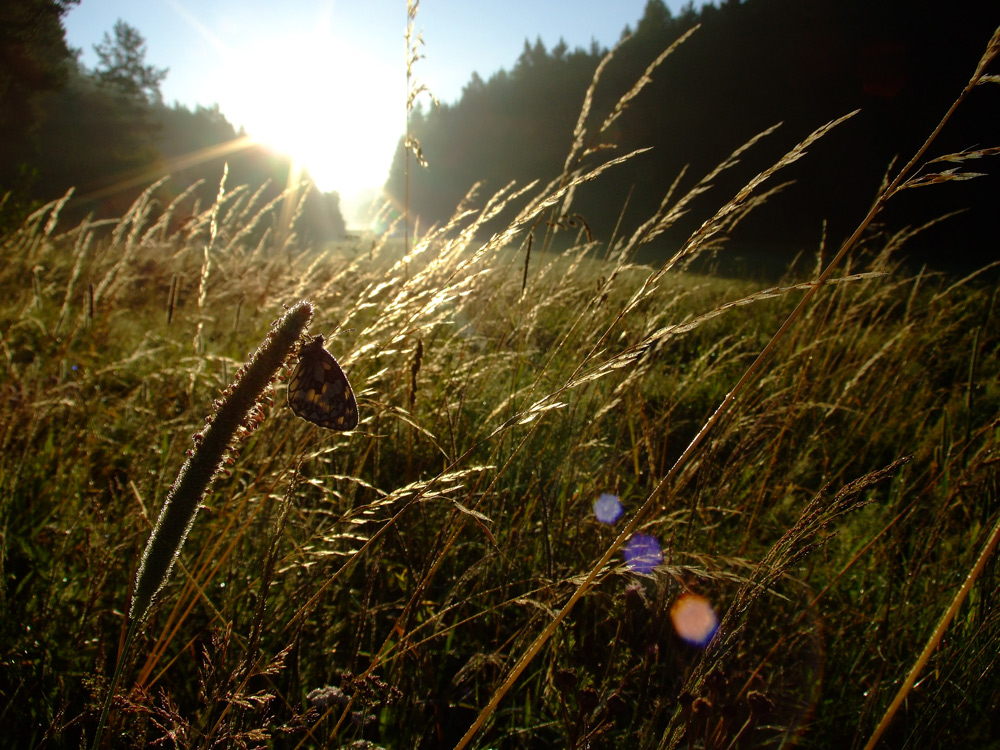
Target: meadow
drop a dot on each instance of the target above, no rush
(816, 460)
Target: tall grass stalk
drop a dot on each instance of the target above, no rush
(237, 414)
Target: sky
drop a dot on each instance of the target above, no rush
(325, 80)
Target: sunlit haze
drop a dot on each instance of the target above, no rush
(325, 81)
(341, 126)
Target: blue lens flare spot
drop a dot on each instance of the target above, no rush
(642, 553)
(608, 508)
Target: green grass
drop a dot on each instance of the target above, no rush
(407, 566)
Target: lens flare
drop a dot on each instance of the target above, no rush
(694, 619)
(642, 553)
(608, 508)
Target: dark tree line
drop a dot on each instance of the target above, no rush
(750, 65)
(34, 59)
(107, 132)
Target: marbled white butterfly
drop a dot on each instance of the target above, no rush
(319, 392)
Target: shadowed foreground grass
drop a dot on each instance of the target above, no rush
(379, 585)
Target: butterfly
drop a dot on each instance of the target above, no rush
(318, 390)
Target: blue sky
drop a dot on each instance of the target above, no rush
(324, 80)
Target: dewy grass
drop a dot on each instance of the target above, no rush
(236, 415)
(425, 556)
(716, 224)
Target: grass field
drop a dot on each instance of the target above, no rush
(442, 566)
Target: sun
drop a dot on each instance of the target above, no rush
(335, 110)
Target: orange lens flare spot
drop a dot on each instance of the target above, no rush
(694, 619)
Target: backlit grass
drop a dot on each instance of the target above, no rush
(381, 585)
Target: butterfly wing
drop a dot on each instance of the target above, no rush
(318, 390)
